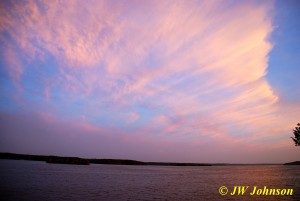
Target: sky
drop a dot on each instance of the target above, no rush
(175, 81)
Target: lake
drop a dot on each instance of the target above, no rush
(33, 180)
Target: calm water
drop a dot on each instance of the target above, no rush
(30, 180)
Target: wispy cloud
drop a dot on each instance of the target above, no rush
(177, 68)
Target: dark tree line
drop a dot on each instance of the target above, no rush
(296, 132)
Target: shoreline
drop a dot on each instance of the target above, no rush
(87, 161)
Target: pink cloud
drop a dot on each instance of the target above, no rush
(15, 67)
(201, 64)
(133, 116)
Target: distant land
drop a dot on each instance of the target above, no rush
(85, 161)
(293, 163)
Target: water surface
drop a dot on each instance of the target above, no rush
(33, 180)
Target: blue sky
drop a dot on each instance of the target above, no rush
(196, 81)
(283, 71)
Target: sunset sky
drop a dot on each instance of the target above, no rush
(177, 81)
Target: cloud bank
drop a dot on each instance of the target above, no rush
(173, 72)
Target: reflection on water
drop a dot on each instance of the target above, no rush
(30, 180)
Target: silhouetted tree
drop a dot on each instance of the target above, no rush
(296, 132)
